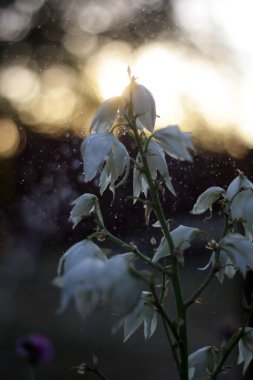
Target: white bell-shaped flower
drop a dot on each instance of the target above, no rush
(241, 182)
(246, 348)
(105, 116)
(78, 252)
(227, 268)
(157, 164)
(181, 237)
(239, 249)
(83, 206)
(103, 154)
(143, 105)
(207, 199)
(144, 313)
(121, 289)
(242, 209)
(174, 142)
(202, 362)
(82, 284)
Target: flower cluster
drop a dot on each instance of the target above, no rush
(235, 250)
(105, 156)
(87, 276)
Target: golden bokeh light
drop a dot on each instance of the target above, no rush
(9, 138)
(108, 69)
(53, 108)
(19, 85)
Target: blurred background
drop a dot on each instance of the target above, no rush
(59, 59)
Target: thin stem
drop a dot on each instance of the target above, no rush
(200, 289)
(130, 247)
(96, 372)
(229, 346)
(181, 310)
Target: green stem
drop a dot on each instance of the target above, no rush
(130, 247)
(168, 324)
(96, 372)
(229, 346)
(181, 310)
(200, 289)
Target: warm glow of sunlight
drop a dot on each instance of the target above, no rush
(108, 69)
(9, 138)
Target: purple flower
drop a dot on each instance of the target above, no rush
(36, 348)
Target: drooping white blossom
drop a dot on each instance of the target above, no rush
(143, 105)
(105, 115)
(239, 249)
(241, 182)
(157, 164)
(103, 154)
(83, 206)
(227, 268)
(90, 279)
(174, 142)
(81, 283)
(242, 209)
(144, 313)
(246, 348)
(121, 289)
(181, 237)
(207, 199)
(78, 252)
(202, 362)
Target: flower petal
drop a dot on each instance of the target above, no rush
(105, 115)
(174, 142)
(207, 199)
(143, 103)
(83, 206)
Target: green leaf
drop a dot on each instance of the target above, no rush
(207, 199)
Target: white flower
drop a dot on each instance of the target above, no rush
(202, 362)
(242, 209)
(156, 163)
(239, 249)
(239, 183)
(83, 206)
(77, 253)
(143, 105)
(207, 199)
(181, 236)
(143, 313)
(105, 115)
(82, 283)
(103, 153)
(174, 142)
(121, 289)
(246, 348)
(226, 266)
